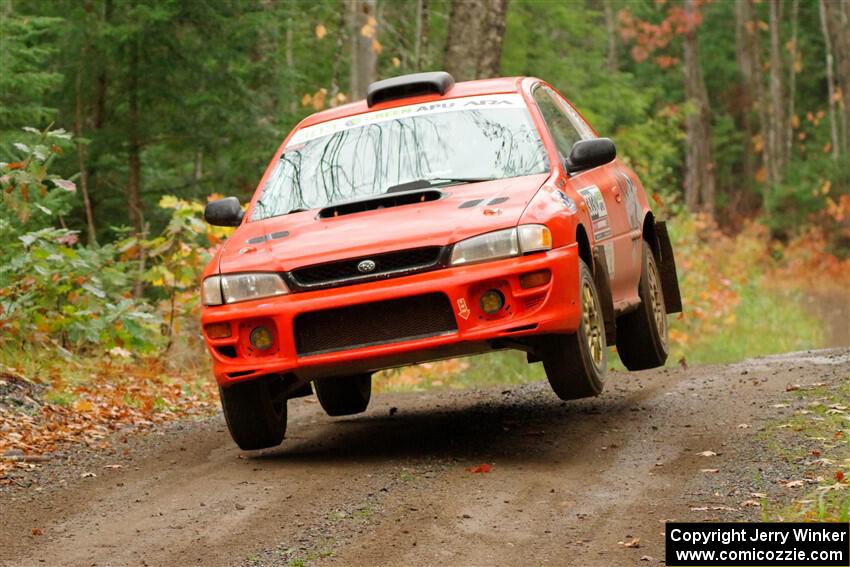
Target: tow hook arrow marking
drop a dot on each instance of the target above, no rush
(462, 309)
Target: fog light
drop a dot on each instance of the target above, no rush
(491, 301)
(535, 279)
(217, 330)
(262, 338)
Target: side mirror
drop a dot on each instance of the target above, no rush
(586, 154)
(224, 212)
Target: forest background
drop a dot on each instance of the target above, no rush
(119, 119)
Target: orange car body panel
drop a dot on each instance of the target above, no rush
(550, 308)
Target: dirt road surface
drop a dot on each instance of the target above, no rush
(569, 484)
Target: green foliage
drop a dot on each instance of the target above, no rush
(26, 45)
(52, 292)
(55, 291)
(31, 196)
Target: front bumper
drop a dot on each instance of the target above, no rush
(549, 308)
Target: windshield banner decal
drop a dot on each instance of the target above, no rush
(367, 118)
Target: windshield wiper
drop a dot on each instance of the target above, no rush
(435, 182)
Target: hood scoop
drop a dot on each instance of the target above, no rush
(381, 202)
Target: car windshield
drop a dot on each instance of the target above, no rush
(464, 139)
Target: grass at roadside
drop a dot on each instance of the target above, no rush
(815, 440)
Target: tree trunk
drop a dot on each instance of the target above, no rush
(833, 124)
(340, 45)
(290, 67)
(611, 28)
(363, 23)
(699, 177)
(837, 39)
(792, 81)
(776, 106)
(744, 52)
(81, 152)
(134, 163)
(421, 59)
(476, 32)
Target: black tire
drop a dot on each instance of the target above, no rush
(344, 395)
(642, 333)
(576, 364)
(255, 413)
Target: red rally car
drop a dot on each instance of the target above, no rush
(432, 220)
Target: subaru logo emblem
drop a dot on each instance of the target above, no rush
(366, 266)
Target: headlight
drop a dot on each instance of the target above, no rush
(241, 287)
(502, 244)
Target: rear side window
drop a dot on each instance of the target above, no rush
(566, 130)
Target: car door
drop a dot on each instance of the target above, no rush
(600, 187)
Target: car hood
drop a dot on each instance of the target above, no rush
(300, 239)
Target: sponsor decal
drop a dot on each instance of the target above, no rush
(463, 308)
(598, 211)
(367, 118)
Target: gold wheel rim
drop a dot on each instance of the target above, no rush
(594, 331)
(656, 300)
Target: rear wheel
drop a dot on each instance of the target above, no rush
(344, 395)
(576, 364)
(642, 333)
(255, 413)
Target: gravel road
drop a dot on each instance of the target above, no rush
(569, 483)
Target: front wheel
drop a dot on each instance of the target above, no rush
(344, 395)
(642, 333)
(255, 413)
(576, 364)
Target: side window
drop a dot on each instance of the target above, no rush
(562, 128)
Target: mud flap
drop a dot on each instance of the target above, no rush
(603, 287)
(667, 267)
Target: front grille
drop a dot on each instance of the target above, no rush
(343, 272)
(376, 323)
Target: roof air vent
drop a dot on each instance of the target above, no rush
(409, 85)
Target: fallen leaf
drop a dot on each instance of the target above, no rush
(751, 503)
(707, 454)
(482, 468)
(839, 476)
(65, 184)
(37, 532)
(758, 495)
(647, 558)
(634, 542)
(83, 406)
(321, 31)
(743, 426)
(88, 475)
(710, 470)
(792, 483)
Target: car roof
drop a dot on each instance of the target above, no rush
(466, 88)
